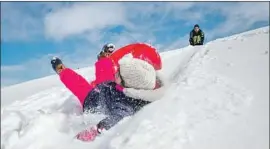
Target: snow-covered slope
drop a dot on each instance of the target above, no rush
(218, 99)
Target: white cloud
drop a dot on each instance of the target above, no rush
(183, 11)
(89, 19)
(12, 68)
(83, 17)
(239, 17)
(181, 5)
(94, 36)
(248, 10)
(17, 25)
(152, 16)
(22, 21)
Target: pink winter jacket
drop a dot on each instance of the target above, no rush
(105, 71)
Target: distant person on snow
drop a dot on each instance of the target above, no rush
(196, 36)
(108, 96)
(106, 51)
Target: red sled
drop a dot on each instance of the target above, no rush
(141, 51)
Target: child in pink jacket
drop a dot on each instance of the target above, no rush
(105, 94)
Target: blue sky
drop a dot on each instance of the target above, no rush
(32, 32)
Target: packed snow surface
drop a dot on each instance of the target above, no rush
(218, 98)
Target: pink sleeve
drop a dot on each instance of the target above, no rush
(76, 84)
(105, 70)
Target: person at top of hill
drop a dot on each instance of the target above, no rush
(196, 36)
(106, 51)
(108, 96)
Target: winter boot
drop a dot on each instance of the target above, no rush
(57, 65)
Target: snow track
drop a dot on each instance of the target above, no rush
(217, 99)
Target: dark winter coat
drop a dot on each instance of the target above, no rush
(108, 100)
(196, 38)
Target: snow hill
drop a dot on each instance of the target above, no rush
(218, 99)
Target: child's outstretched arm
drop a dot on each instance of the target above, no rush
(76, 84)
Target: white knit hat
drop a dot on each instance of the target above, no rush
(137, 73)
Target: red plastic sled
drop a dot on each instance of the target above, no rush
(141, 51)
